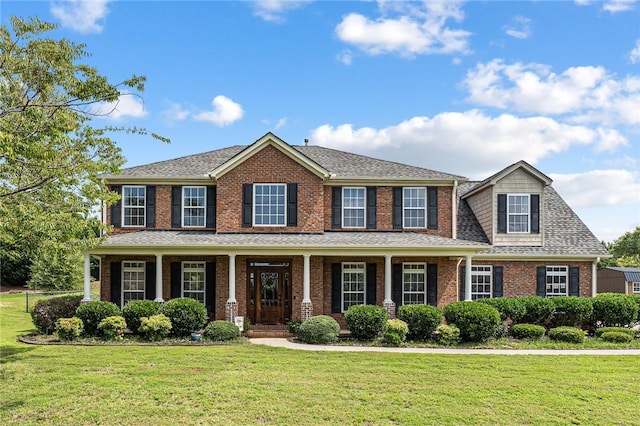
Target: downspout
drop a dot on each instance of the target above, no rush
(594, 277)
(454, 210)
(458, 278)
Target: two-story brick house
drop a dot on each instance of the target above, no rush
(272, 232)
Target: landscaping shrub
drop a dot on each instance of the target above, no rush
(616, 337)
(221, 331)
(46, 312)
(395, 332)
(571, 311)
(136, 309)
(91, 313)
(69, 329)
(155, 327)
(527, 331)
(600, 331)
(186, 315)
(447, 334)
(614, 309)
(567, 334)
(538, 310)
(508, 307)
(476, 321)
(294, 326)
(365, 322)
(422, 320)
(112, 328)
(321, 329)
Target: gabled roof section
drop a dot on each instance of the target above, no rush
(630, 274)
(492, 180)
(270, 139)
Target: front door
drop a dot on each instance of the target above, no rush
(269, 292)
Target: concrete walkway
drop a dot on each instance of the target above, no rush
(285, 343)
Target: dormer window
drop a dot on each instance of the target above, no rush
(518, 213)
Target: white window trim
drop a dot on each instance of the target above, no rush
(144, 207)
(364, 207)
(414, 208)
(253, 218)
(635, 287)
(557, 273)
(142, 269)
(204, 270)
(204, 208)
(363, 265)
(423, 272)
(528, 231)
(483, 273)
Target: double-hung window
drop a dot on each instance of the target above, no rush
(133, 281)
(481, 282)
(557, 278)
(636, 287)
(133, 205)
(414, 205)
(518, 209)
(353, 207)
(193, 280)
(353, 284)
(193, 206)
(269, 204)
(414, 283)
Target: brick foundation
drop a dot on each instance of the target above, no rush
(306, 311)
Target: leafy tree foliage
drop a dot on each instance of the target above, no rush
(625, 250)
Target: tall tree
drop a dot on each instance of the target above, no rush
(625, 250)
(51, 151)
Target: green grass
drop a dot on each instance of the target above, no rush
(249, 384)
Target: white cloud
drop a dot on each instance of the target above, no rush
(588, 93)
(174, 113)
(583, 2)
(615, 6)
(406, 28)
(225, 111)
(346, 57)
(85, 16)
(634, 55)
(520, 27)
(281, 123)
(127, 105)
(598, 188)
(275, 10)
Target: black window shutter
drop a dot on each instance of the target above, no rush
(150, 280)
(502, 213)
(432, 284)
(176, 206)
(116, 283)
(535, 213)
(498, 272)
(541, 281)
(396, 281)
(151, 206)
(116, 209)
(574, 281)
(210, 290)
(247, 205)
(336, 288)
(370, 295)
(397, 207)
(372, 200)
(463, 279)
(176, 280)
(336, 207)
(211, 206)
(432, 207)
(292, 204)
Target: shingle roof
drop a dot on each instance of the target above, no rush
(631, 275)
(468, 226)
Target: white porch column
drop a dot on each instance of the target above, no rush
(467, 280)
(159, 279)
(232, 303)
(388, 303)
(306, 310)
(87, 278)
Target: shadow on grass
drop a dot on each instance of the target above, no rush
(10, 353)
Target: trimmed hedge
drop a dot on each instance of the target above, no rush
(46, 312)
(155, 327)
(69, 329)
(320, 330)
(186, 315)
(567, 334)
(112, 328)
(571, 311)
(538, 310)
(365, 322)
(447, 334)
(476, 321)
(600, 331)
(508, 307)
(91, 313)
(395, 332)
(527, 331)
(134, 310)
(616, 337)
(422, 320)
(614, 309)
(221, 331)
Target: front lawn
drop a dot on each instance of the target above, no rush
(250, 384)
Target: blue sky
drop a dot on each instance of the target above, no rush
(462, 87)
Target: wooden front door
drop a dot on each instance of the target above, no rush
(269, 291)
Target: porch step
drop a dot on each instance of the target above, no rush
(268, 330)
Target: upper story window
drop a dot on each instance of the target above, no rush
(414, 205)
(133, 205)
(353, 207)
(269, 205)
(481, 282)
(518, 213)
(193, 206)
(414, 283)
(557, 279)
